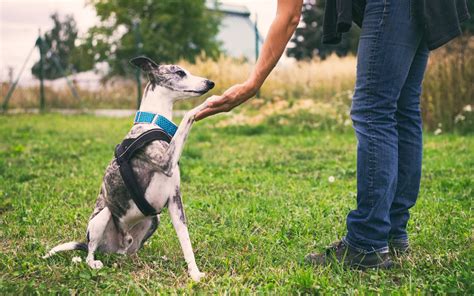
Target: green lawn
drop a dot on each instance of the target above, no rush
(257, 200)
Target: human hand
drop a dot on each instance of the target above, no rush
(230, 99)
(283, 26)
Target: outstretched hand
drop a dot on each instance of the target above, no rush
(230, 99)
(282, 28)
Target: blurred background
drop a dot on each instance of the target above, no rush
(72, 56)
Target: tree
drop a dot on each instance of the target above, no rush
(61, 57)
(167, 30)
(307, 41)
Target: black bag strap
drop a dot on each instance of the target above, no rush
(124, 152)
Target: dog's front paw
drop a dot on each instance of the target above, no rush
(193, 112)
(95, 264)
(197, 275)
(48, 255)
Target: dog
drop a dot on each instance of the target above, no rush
(117, 225)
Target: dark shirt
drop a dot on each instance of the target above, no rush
(441, 19)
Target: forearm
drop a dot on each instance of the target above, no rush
(280, 32)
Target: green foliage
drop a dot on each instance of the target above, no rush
(307, 41)
(257, 201)
(165, 30)
(61, 56)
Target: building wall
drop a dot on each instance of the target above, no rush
(237, 35)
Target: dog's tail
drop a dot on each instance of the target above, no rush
(66, 247)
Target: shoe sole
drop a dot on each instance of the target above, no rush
(388, 264)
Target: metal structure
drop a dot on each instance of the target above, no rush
(15, 83)
(39, 43)
(138, 47)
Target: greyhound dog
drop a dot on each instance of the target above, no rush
(117, 225)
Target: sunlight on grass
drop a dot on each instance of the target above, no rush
(258, 199)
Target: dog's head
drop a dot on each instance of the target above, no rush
(180, 82)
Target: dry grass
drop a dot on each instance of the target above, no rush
(448, 88)
(316, 87)
(313, 79)
(290, 80)
(114, 94)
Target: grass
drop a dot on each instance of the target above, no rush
(316, 79)
(257, 200)
(448, 88)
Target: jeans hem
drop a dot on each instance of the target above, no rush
(361, 249)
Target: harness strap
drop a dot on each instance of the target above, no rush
(124, 153)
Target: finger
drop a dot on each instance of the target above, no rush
(210, 111)
(216, 101)
(205, 113)
(213, 98)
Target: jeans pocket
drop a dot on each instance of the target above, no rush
(413, 10)
(375, 15)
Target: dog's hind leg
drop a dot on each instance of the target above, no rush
(95, 236)
(125, 237)
(141, 232)
(175, 207)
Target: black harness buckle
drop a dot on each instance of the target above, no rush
(124, 153)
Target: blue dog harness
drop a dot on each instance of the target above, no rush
(125, 151)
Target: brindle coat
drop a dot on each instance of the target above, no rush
(116, 224)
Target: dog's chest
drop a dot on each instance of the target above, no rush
(160, 189)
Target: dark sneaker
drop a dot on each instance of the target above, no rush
(399, 247)
(348, 256)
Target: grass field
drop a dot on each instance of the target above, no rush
(257, 200)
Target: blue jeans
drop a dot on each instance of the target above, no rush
(391, 62)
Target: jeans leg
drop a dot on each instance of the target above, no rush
(410, 145)
(387, 46)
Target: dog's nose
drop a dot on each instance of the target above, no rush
(210, 84)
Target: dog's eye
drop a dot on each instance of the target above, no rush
(180, 73)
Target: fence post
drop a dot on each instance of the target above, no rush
(257, 45)
(138, 45)
(15, 83)
(39, 43)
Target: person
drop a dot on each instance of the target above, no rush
(395, 40)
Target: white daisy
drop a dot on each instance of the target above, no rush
(76, 259)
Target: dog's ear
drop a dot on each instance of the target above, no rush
(143, 63)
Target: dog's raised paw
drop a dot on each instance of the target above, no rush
(197, 276)
(47, 256)
(96, 264)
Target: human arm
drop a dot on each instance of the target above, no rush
(280, 32)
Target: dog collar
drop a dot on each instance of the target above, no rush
(162, 122)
